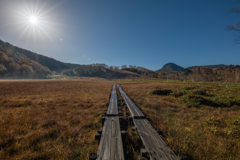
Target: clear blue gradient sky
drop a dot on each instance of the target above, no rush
(147, 33)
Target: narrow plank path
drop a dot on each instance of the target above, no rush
(135, 111)
(155, 145)
(110, 147)
(113, 107)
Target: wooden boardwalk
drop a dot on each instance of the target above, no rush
(110, 147)
(155, 145)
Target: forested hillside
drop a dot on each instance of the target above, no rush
(51, 63)
(229, 73)
(13, 64)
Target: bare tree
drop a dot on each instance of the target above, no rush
(235, 27)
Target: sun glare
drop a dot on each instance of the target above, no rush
(33, 19)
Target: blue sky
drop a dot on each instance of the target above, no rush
(147, 33)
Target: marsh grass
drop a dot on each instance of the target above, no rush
(202, 95)
(51, 119)
(201, 131)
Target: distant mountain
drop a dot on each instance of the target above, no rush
(170, 67)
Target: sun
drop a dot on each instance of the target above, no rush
(33, 20)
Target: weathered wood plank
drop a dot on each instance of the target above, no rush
(110, 147)
(155, 145)
(135, 111)
(113, 108)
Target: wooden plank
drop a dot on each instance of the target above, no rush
(135, 111)
(155, 145)
(113, 108)
(110, 147)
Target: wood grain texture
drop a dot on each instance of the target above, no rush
(110, 147)
(155, 145)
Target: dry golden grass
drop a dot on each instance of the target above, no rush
(199, 133)
(51, 119)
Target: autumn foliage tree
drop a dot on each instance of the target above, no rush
(3, 69)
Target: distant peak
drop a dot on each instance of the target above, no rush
(172, 66)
